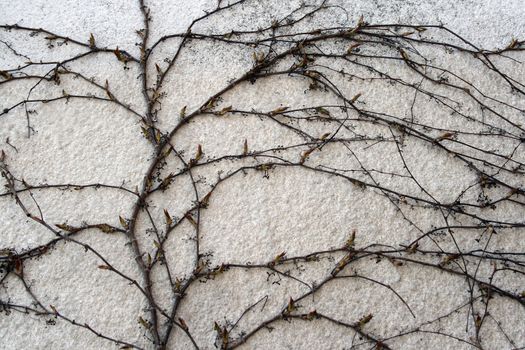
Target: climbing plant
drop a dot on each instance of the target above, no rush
(303, 174)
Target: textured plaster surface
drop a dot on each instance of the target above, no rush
(250, 219)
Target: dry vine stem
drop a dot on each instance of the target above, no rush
(406, 143)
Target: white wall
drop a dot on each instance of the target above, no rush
(251, 217)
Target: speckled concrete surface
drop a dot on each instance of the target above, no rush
(253, 217)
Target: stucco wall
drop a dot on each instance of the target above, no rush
(373, 182)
